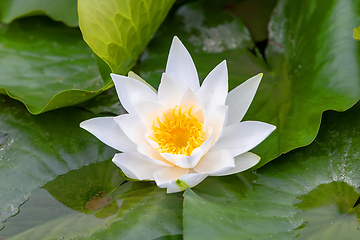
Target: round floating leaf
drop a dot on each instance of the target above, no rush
(328, 212)
(59, 10)
(119, 30)
(106, 103)
(105, 210)
(308, 69)
(308, 193)
(38, 148)
(43, 63)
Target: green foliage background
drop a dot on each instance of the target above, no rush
(58, 182)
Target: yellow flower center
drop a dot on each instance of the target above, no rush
(178, 132)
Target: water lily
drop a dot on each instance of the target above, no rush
(183, 133)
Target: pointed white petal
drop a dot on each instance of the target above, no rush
(132, 126)
(171, 157)
(240, 98)
(170, 92)
(166, 175)
(190, 99)
(243, 162)
(192, 160)
(180, 66)
(215, 163)
(185, 181)
(214, 89)
(131, 92)
(133, 75)
(152, 155)
(200, 115)
(148, 111)
(109, 132)
(152, 143)
(217, 119)
(241, 137)
(135, 166)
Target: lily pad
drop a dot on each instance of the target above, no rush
(42, 63)
(59, 10)
(328, 212)
(307, 69)
(39, 148)
(96, 203)
(308, 193)
(118, 30)
(49, 64)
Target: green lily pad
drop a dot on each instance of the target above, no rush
(39, 148)
(255, 14)
(106, 104)
(308, 193)
(96, 203)
(49, 64)
(118, 30)
(48, 214)
(328, 211)
(307, 70)
(88, 189)
(59, 10)
(43, 63)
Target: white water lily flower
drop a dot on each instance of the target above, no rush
(183, 133)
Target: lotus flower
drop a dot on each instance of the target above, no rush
(183, 133)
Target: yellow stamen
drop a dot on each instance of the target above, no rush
(178, 132)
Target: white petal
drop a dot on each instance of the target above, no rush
(131, 92)
(241, 137)
(133, 75)
(152, 143)
(240, 98)
(242, 163)
(132, 126)
(190, 99)
(200, 115)
(215, 163)
(185, 181)
(170, 92)
(214, 89)
(152, 155)
(135, 166)
(171, 157)
(109, 132)
(149, 111)
(166, 175)
(180, 66)
(192, 160)
(217, 120)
